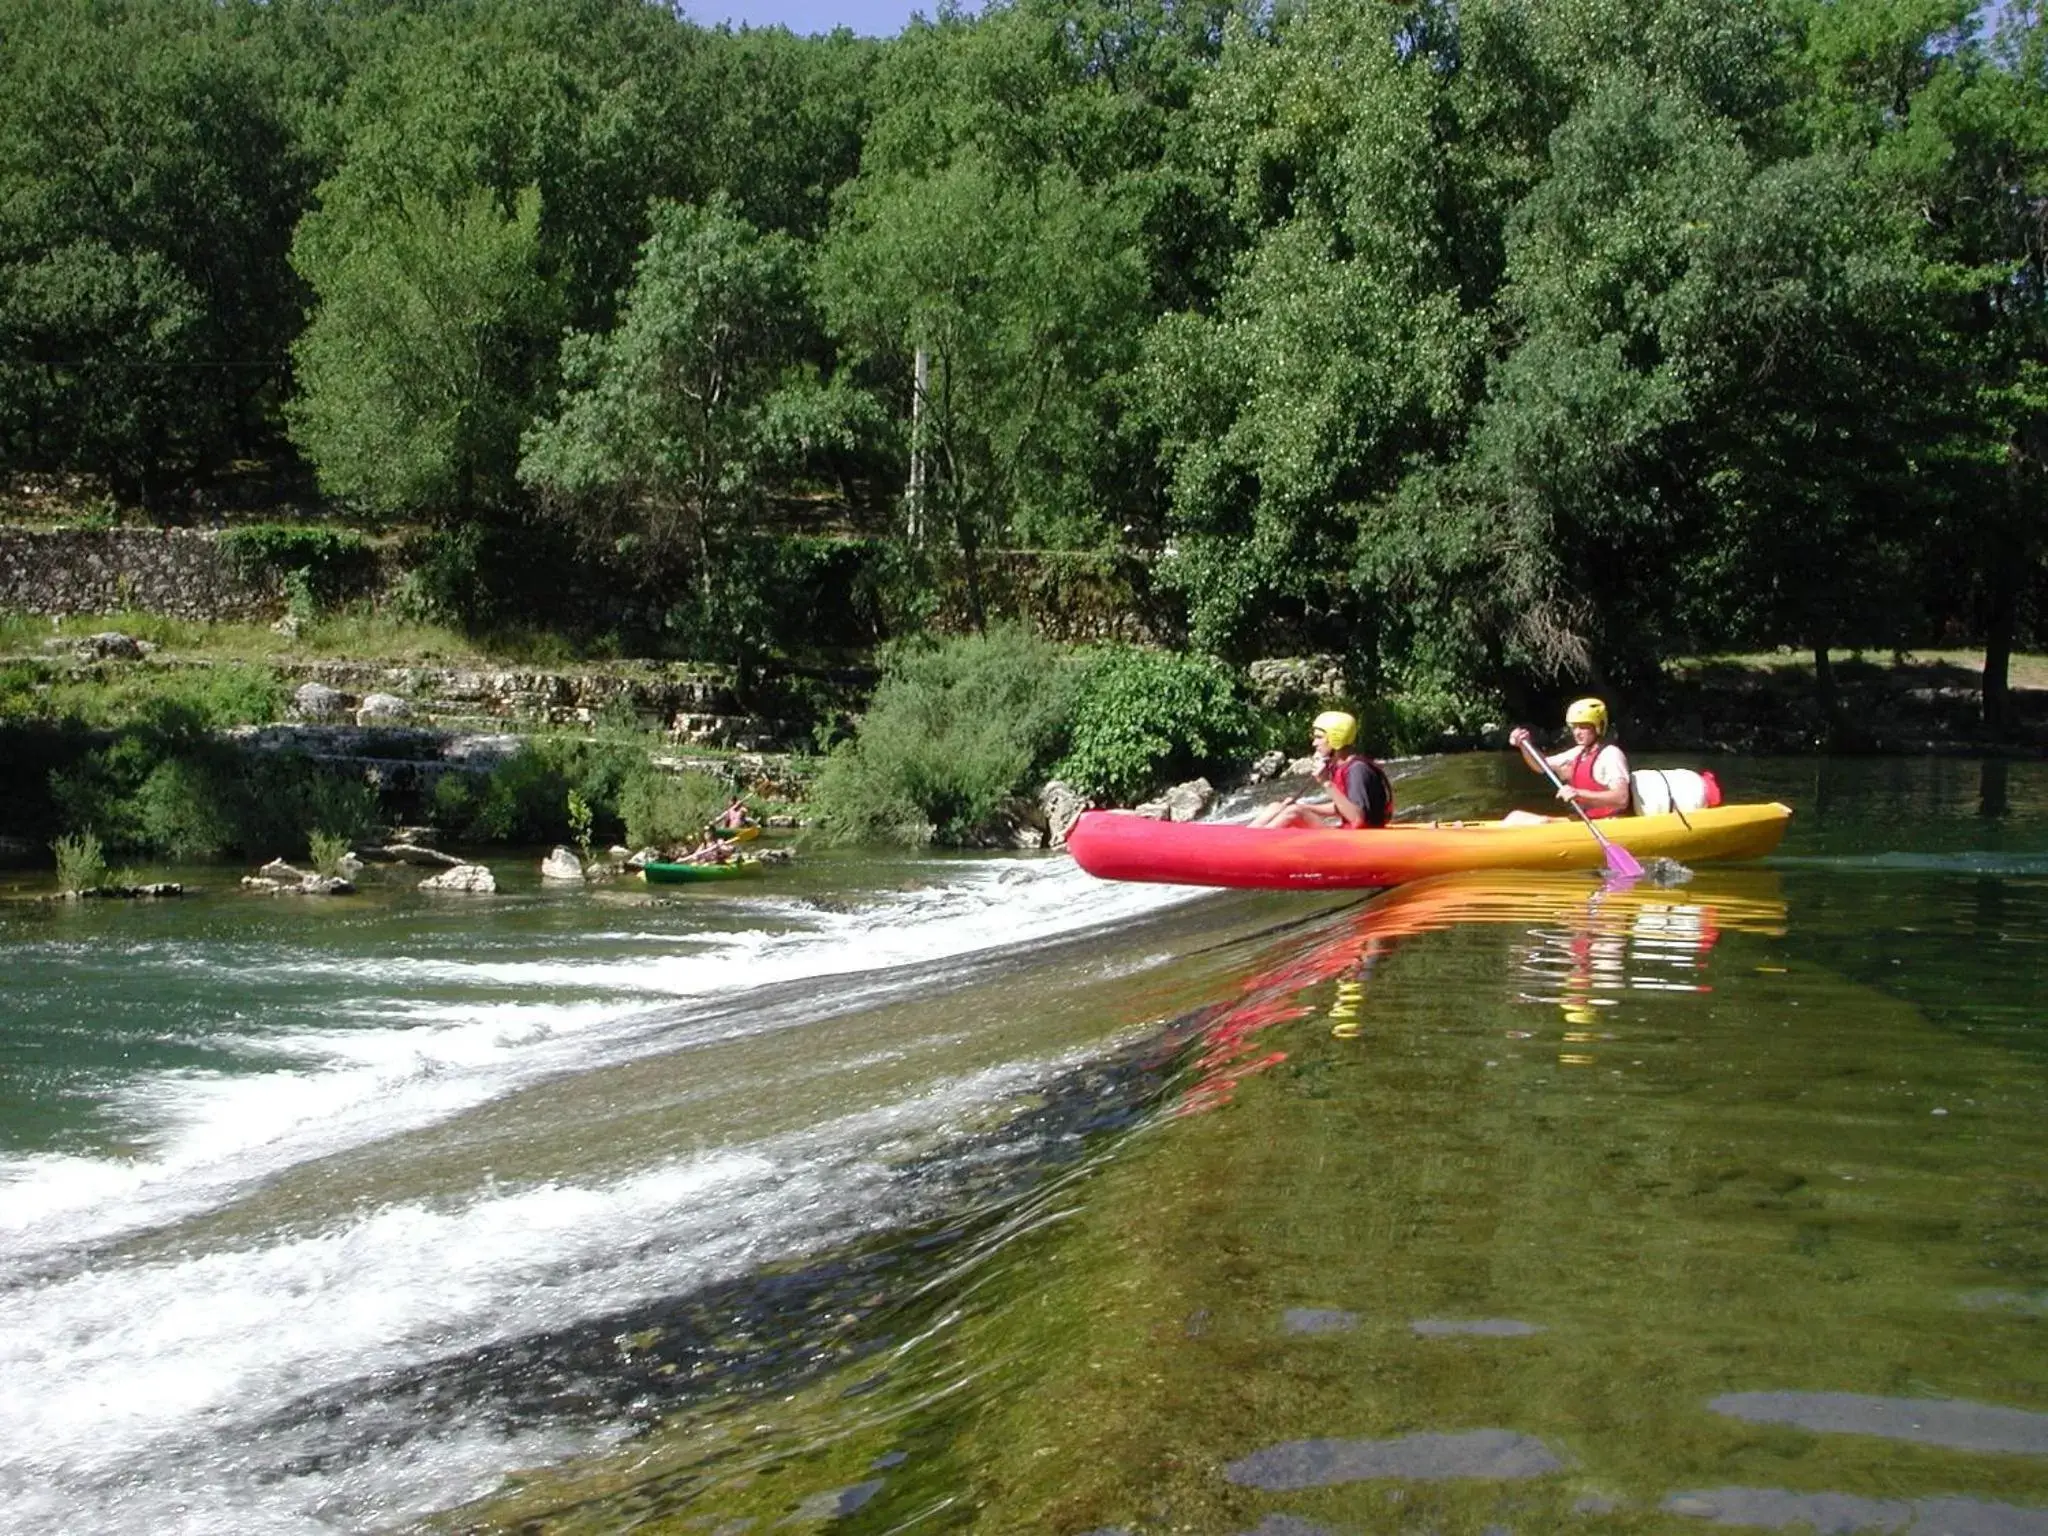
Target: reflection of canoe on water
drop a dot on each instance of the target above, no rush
(1630, 937)
(1726, 901)
(1117, 846)
(657, 873)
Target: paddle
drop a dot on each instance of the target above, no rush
(1620, 862)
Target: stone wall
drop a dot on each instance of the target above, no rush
(181, 572)
(184, 573)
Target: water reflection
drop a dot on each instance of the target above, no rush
(1587, 945)
(1992, 796)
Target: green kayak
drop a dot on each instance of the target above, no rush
(689, 874)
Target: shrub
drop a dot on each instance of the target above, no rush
(665, 808)
(81, 866)
(522, 801)
(1418, 717)
(21, 687)
(163, 792)
(953, 730)
(1147, 718)
(327, 850)
(183, 704)
(317, 567)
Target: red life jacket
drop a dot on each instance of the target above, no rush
(1582, 778)
(1375, 778)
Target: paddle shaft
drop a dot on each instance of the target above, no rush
(1619, 859)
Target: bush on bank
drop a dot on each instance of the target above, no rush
(954, 729)
(525, 799)
(959, 727)
(1144, 719)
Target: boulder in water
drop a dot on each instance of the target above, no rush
(472, 878)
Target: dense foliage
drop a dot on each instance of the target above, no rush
(953, 732)
(1146, 718)
(1487, 342)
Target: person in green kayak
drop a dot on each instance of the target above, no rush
(1594, 769)
(1357, 793)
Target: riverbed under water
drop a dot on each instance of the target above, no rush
(927, 1193)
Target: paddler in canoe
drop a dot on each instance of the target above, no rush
(1358, 794)
(1593, 770)
(735, 823)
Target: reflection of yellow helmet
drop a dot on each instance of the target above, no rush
(1587, 712)
(1338, 728)
(1579, 1014)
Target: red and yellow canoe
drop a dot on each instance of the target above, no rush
(1116, 845)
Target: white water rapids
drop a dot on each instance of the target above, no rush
(161, 1311)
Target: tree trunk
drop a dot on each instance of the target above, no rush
(1824, 687)
(1998, 632)
(2002, 616)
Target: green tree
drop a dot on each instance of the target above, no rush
(669, 423)
(1344, 343)
(1017, 225)
(153, 160)
(417, 371)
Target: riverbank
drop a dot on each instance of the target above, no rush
(175, 739)
(1908, 702)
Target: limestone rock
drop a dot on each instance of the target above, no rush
(1062, 805)
(1291, 682)
(1183, 802)
(112, 645)
(382, 709)
(561, 864)
(1268, 765)
(317, 701)
(473, 878)
(281, 879)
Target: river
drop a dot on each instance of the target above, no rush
(969, 1193)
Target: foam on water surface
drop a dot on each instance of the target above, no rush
(424, 1037)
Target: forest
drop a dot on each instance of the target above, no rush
(1484, 343)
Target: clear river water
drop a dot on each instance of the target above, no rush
(920, 1193)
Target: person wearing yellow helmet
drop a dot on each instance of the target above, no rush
(1594, 769)
(1356, 791)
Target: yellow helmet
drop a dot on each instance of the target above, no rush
(1587, 712)
(1338, 728)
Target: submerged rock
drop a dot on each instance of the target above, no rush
(1962, 1426)
(1480, 1453)
(1317, 1320)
